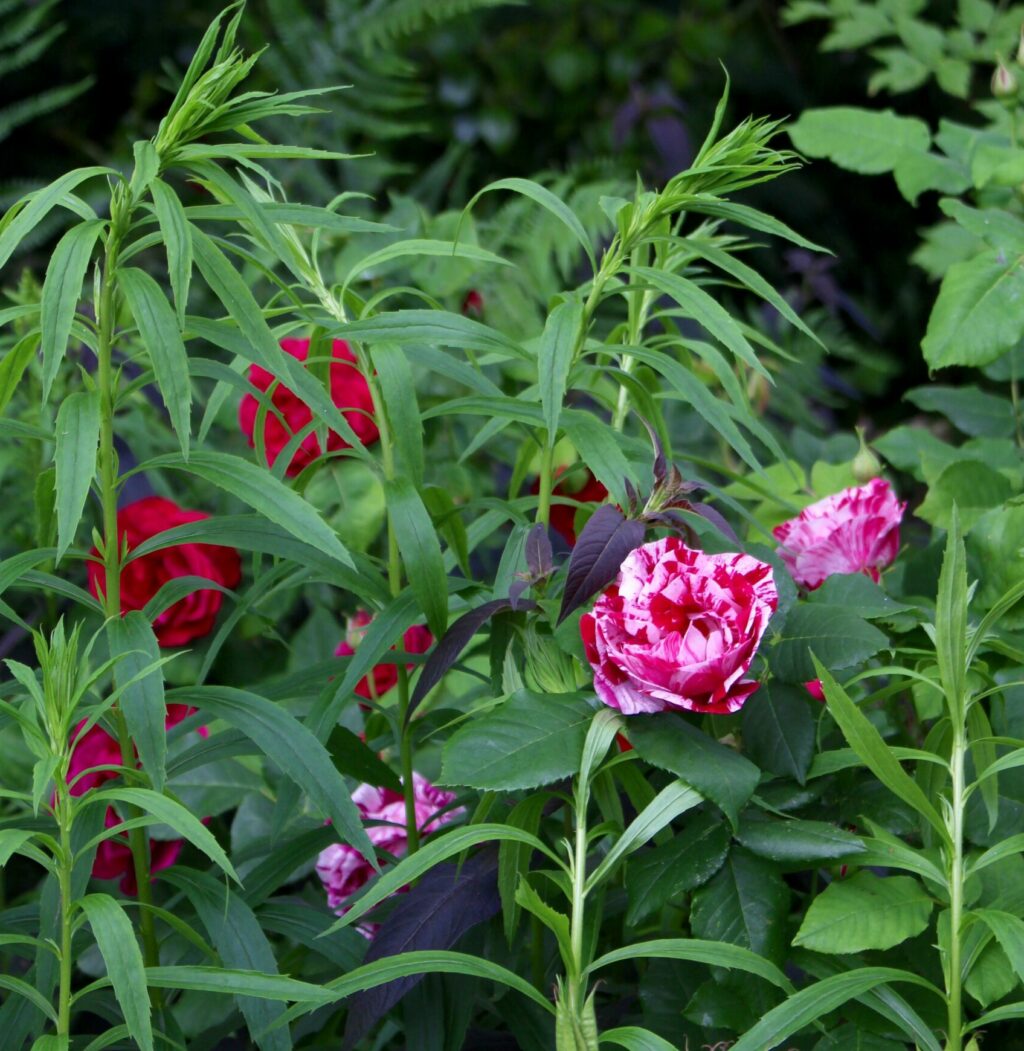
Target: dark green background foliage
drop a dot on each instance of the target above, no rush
(597, 90)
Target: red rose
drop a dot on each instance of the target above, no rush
(563, 516)
(349, 391)
(193, 616)
(416, 639)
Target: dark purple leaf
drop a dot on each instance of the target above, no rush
(660, 463)
(538, 551)
(455, 639)
(515, 592)
(448, 901)
(606, 540)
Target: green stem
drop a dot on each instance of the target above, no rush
(64, 883)
(575, 983)
(547, 470)
(956, 888)
(106, 381)
(636, 319)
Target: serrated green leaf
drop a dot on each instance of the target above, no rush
(839, 638)
(975, 318)
(716, 771)
(531, 739)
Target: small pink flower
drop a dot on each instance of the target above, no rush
(813, 687)
(343, 869)
(679, 629)
(416, 639)
(855, 531)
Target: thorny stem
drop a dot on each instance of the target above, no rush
(120, 213)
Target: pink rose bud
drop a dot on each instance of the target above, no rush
(679, 629)
(813, 687)
(855, 531)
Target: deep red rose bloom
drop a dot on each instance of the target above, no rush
(416, 639)
(563, 516)
(193, 616)
(349, 391)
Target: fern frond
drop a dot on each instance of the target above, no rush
(38, 105)
(389, 20)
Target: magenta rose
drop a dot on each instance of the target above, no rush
(678, 629)
(344, 870)
(855, 531)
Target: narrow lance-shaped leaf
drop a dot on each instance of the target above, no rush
(77, 438)
(115, 937)
(263, 493)
(174, 231)
(867, 742)
(557, 345)
(37, 205)
(62, 289)
(294, 749)
(546, 199)
(160, 331)
(132, 639)
(421, 552)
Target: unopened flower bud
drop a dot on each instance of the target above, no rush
(1020, 48)
(865, 464)
(1004, 83)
